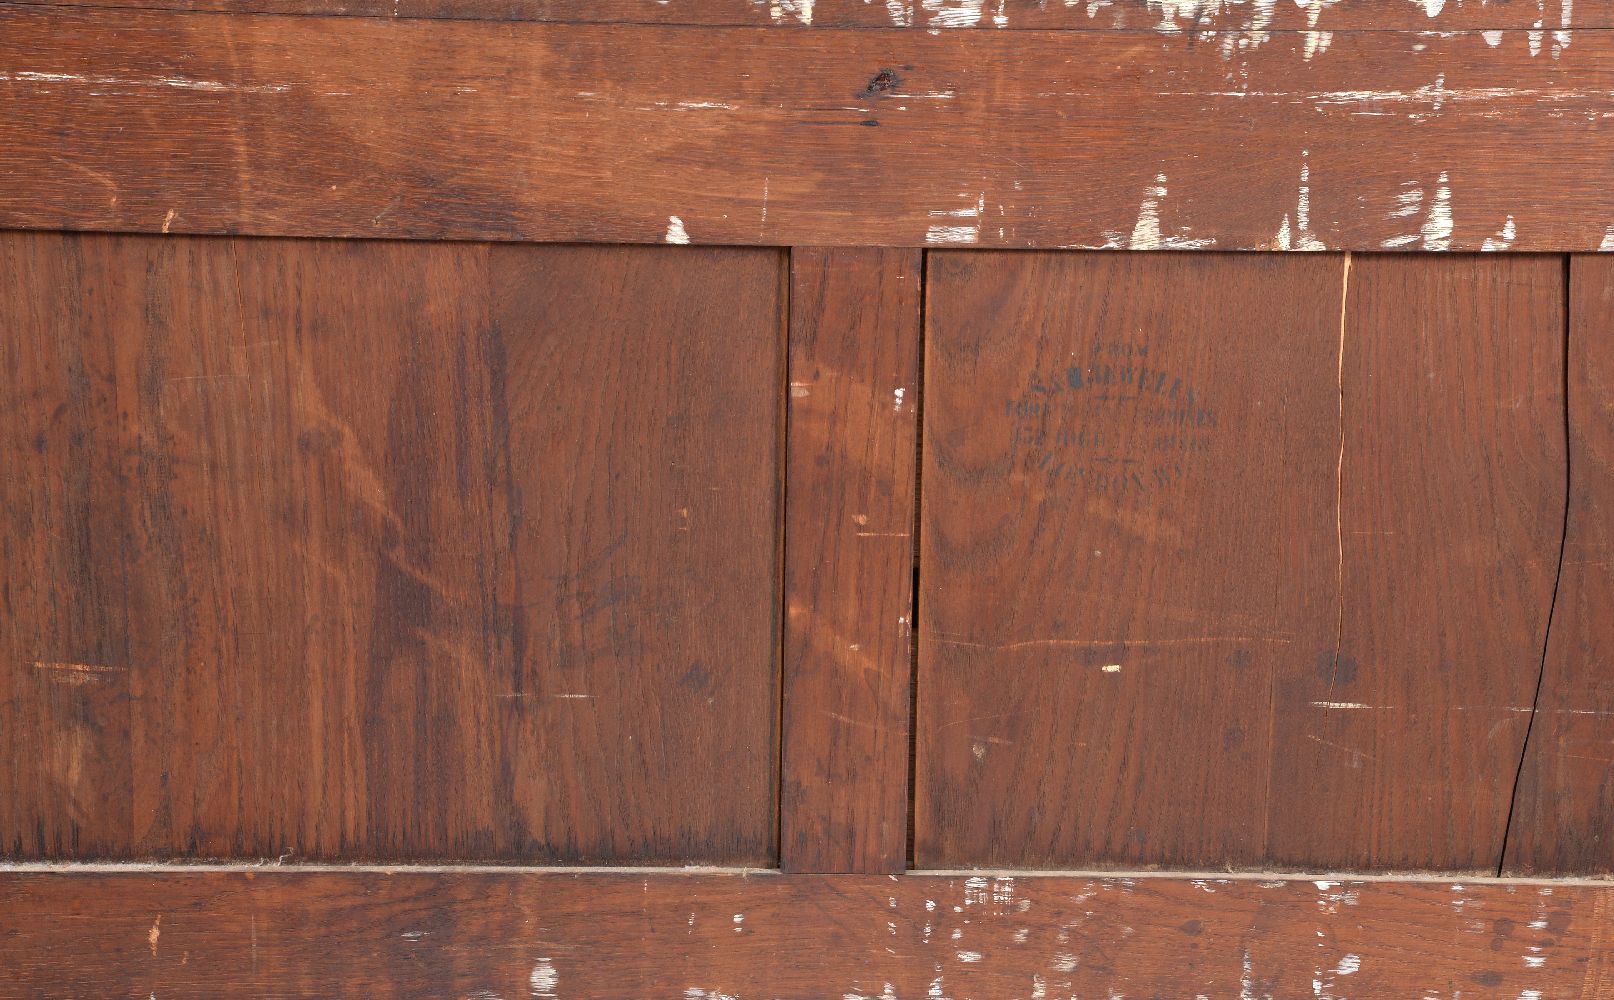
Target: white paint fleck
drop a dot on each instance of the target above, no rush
(801, 10)
(675, 230)
(1536, 37)
(897, 405)
(1503, 239)
(1561, 37)
(952, 234)
(544, 979)
(1348, 966)
(1064, 962)
(1147, 234)
(954, 13)
(1111, 668)
(1039, 987)
(1431, 7)
(1493, 38)
(1021, 935)
(1608, 240)
(1438, 226)
(1343, 705)
(969, 956)
(1530, 995)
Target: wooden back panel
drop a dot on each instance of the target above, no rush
(376, 550)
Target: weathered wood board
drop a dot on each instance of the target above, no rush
(1542, 25)
(205, 123)
(715, 936)
(387, 550)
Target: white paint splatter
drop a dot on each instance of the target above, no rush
(675, 230)
(1438, 226)
(1147, 234)
(801, 10)
(1608, 241)
(1111, 668)
(1431, 7)
(1349, 965)
(1561, 37)
(1503, 239)
(969, 956)
(1345, 705)
(954, 13)
(1492, 38)
(897, 405)
(1064, 962)
(544, 979)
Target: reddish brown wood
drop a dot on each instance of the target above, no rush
(1545, 18)
(398, 550)
(1563, 818)
(712, 936)
(157, 121)
(1216, 571)
(854, 357)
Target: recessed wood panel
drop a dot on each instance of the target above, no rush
(715, 935)
(1563, 821)
(1233, 561)
(300, 126)
(399, 551)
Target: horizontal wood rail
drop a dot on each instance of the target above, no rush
(153, 121)
(719, 934)
(1412, 15)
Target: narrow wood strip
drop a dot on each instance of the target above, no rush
(1250, 19)
(854, 357)
(1562, 819)
(154, 121)
(716, 936)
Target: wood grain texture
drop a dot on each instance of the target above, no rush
(1220, 568)
(186, 122)
(1251, 19)
(1563, 819)
(854, 359)
(399, 551)
(716, 935)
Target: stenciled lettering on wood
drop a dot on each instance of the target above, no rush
(1062, 437)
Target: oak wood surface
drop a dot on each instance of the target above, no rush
(1564, 817)
(1538, 24)
(383, 550)
(712, 936)
(208, 123)
(848, 671)
(1233, 560)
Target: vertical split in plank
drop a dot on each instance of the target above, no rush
(854, 357)
(1398, 748)
(1563, 815)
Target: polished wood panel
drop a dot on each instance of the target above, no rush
(176, 122)
(1563, 819)
(1541, 25)
(848, 670)
(1233, 560)
(386, 550)
(712, 936)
